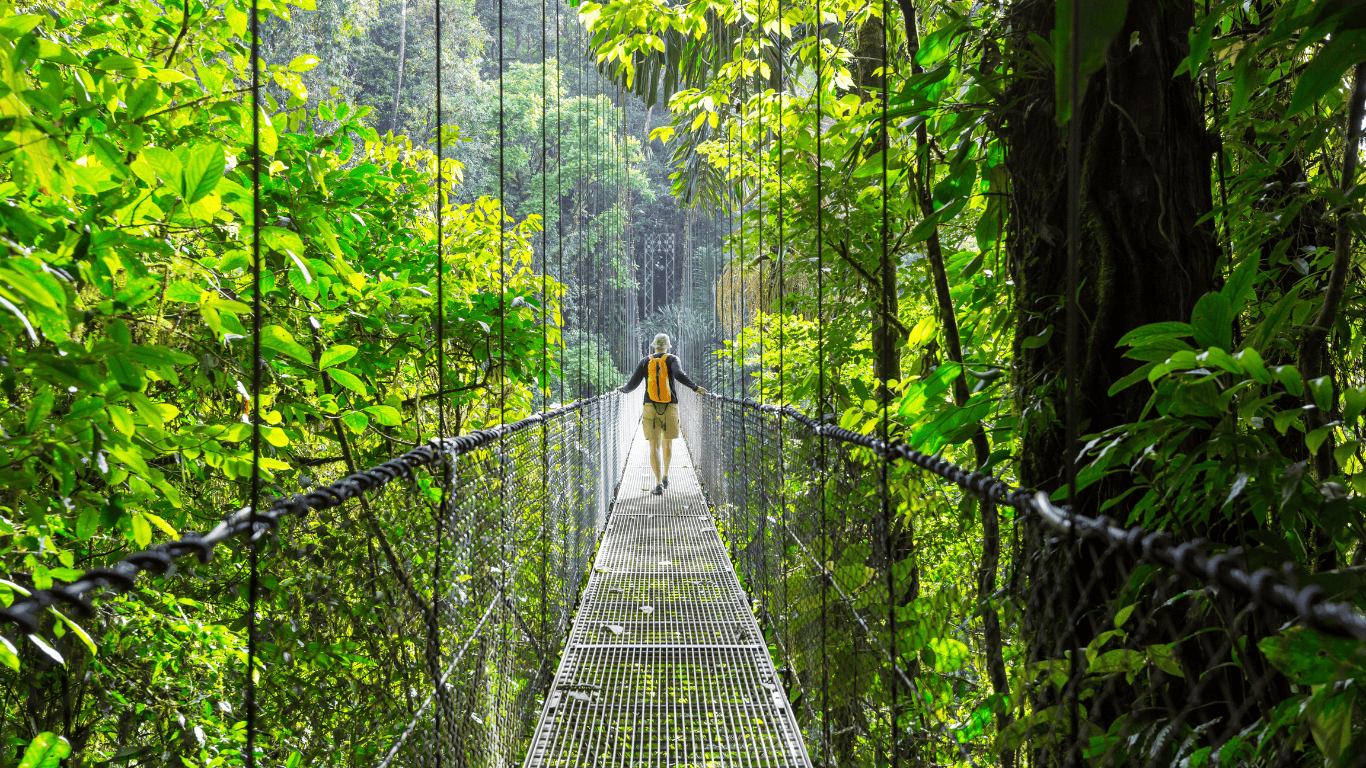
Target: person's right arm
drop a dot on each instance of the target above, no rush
(636, 378)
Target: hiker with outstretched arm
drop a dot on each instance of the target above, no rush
(661, 372)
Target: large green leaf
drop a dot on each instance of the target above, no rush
(338, 353)
(1310, 658)
(1327, 69)
(47, 750)
(1212, 321)
(277, 339)
(167, 166)
(202, 172)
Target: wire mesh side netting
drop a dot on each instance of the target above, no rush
(411, 615)
(1092, 646)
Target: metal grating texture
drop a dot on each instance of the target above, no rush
(665, 665)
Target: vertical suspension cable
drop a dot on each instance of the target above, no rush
(1073, 232)
(1073, 320)
(581, 135)
(440, 315)
(782, 325)
(546, 501)
(503, 558)
(890, 553)
(820, 386)
(254, 493)
(559, 197)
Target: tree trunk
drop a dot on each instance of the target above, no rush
(1145, 255)
(402, 50)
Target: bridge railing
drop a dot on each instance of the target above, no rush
(1081, 644)
(408, 615)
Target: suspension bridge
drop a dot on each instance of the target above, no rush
(515, 596)
(529, 602)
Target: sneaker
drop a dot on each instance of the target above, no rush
(665, 481)
(658, 491)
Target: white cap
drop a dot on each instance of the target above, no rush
(661, 342)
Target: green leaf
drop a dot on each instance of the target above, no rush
(1128, 381)
(183, 291)
(337, 354)
(39, 410)
(9, 655)
(126, 372)
(205, 167)
(304, 63)
(1212, 322)
(1315, 439)
(1309, 658)
(1122, 615)
(1238, 289)
(1284, 419)
(1289, 377)
(1253, 364)
(1164, 657)
(47, 750)
(269, 141)
(1100, 21)
(1343, 453)
(349, 380)
(1355, 402)
(121, 419)
(76, 630)
(1145, 334)
(1322, 391)
(157, 355)
(1039, 339)
(1325, 72)
(972, 266)
(167, 166)
(356, 421)
(386, 415)
(142, 530)
(17, 26)
(282, 239)
(277, 339)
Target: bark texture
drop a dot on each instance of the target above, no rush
(1145, 255)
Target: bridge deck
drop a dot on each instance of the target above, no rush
(665, 665)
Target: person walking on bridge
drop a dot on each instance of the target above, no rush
(662, 373)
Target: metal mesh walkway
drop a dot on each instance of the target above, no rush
(665, 665)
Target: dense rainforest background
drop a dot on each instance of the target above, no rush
(876, 192)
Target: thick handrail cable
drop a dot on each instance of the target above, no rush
(160, 558)
(1263, 587)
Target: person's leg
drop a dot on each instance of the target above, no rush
(670, 430)
(654, 455)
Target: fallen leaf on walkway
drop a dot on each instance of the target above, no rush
(603, 570)
(615, 591)
(647, 609)
(615, 629)
(580, 696)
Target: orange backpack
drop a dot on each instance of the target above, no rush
(657, 380)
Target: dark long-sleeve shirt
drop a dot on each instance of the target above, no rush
(676, 375)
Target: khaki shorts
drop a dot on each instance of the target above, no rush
(660, 420)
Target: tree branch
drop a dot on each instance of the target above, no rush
(842, 248)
